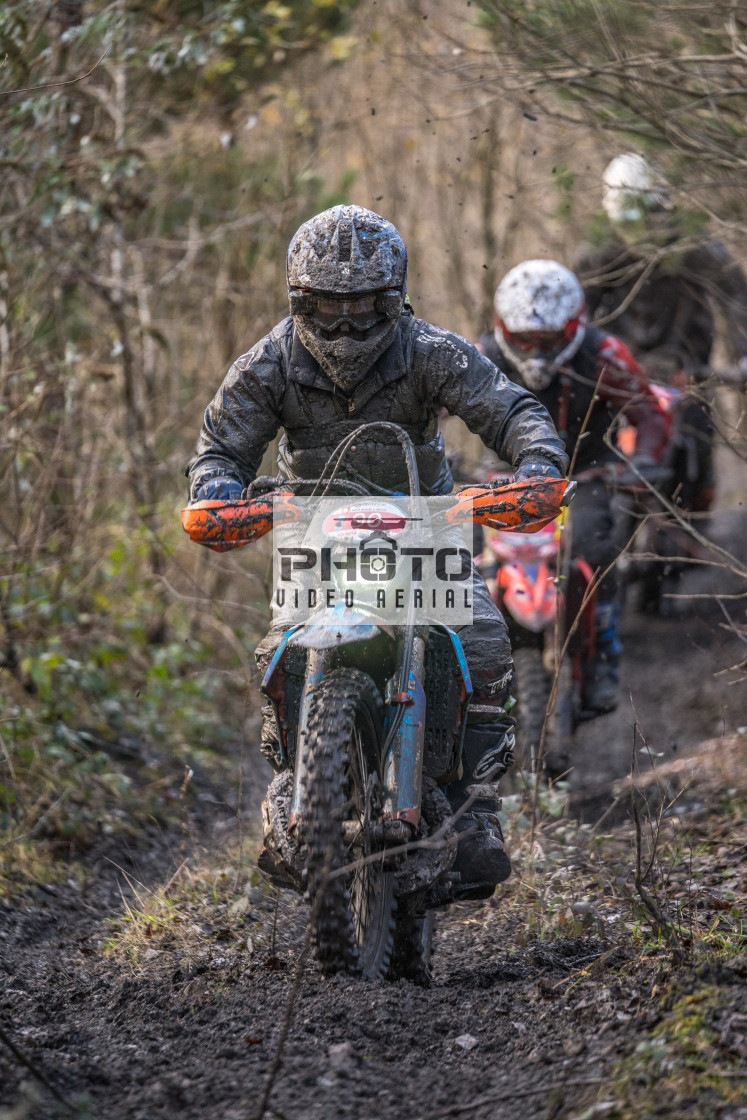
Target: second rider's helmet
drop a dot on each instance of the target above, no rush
(540, 316)
(347, 276)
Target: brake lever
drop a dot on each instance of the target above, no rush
(569, 495)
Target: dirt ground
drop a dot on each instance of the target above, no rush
(159, 979)
(675, 684)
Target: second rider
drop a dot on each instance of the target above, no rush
(585, 378)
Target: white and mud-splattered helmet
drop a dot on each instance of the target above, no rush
(347, 277)
(540, 314)
(632, 189)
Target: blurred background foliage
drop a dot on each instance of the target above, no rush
(130, 223)
(665, 76)
(156, 158)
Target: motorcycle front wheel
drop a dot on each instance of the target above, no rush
(350, 891)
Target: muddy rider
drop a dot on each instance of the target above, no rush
(584, 378)
(660, 281)
(352, 351)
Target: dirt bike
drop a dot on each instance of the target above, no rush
(538, 593)
(371, 721)
(651, 566)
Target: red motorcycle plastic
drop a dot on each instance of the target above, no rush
(549, 610)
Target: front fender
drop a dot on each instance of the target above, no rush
(283, 681)
(338, 626)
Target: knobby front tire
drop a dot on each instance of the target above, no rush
(352, 911)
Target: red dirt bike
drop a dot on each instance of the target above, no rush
(653, 564)
(539, 592)
(371, 720)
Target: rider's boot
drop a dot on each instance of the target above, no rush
(270, 859)
(602, 674)
(482, 861)
(268, 743)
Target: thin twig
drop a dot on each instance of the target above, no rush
(284, 1028)
(581, 971)
(32, 831)
(563, 563)
(662, 923)
(37, 1073)
(50, 85)
(515, 1094)
(293, 994)
(275, 921)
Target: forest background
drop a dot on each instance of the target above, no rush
(156, 159)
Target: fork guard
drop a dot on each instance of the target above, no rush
(522, 507)
(226, 525)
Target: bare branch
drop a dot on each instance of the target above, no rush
(51, 85)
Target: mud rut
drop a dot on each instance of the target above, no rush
(194, 1035)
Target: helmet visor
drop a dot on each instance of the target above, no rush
(360, 310)
(540, 344)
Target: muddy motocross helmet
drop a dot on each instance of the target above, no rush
(632, 188)
(540, 316)
(347, 275)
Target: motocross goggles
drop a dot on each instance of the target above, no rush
(540, 344)
(361, 310)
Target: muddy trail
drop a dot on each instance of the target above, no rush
(163, 978)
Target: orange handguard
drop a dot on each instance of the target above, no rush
(523, 507)
(225, 525)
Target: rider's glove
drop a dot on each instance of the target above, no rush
(531, 468)
(219, 489)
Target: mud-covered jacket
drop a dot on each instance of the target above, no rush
(602, 366)
(668, 315)
(278, 384)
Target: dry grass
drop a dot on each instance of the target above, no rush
(571, 878)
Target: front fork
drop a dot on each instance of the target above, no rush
(403, 760)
